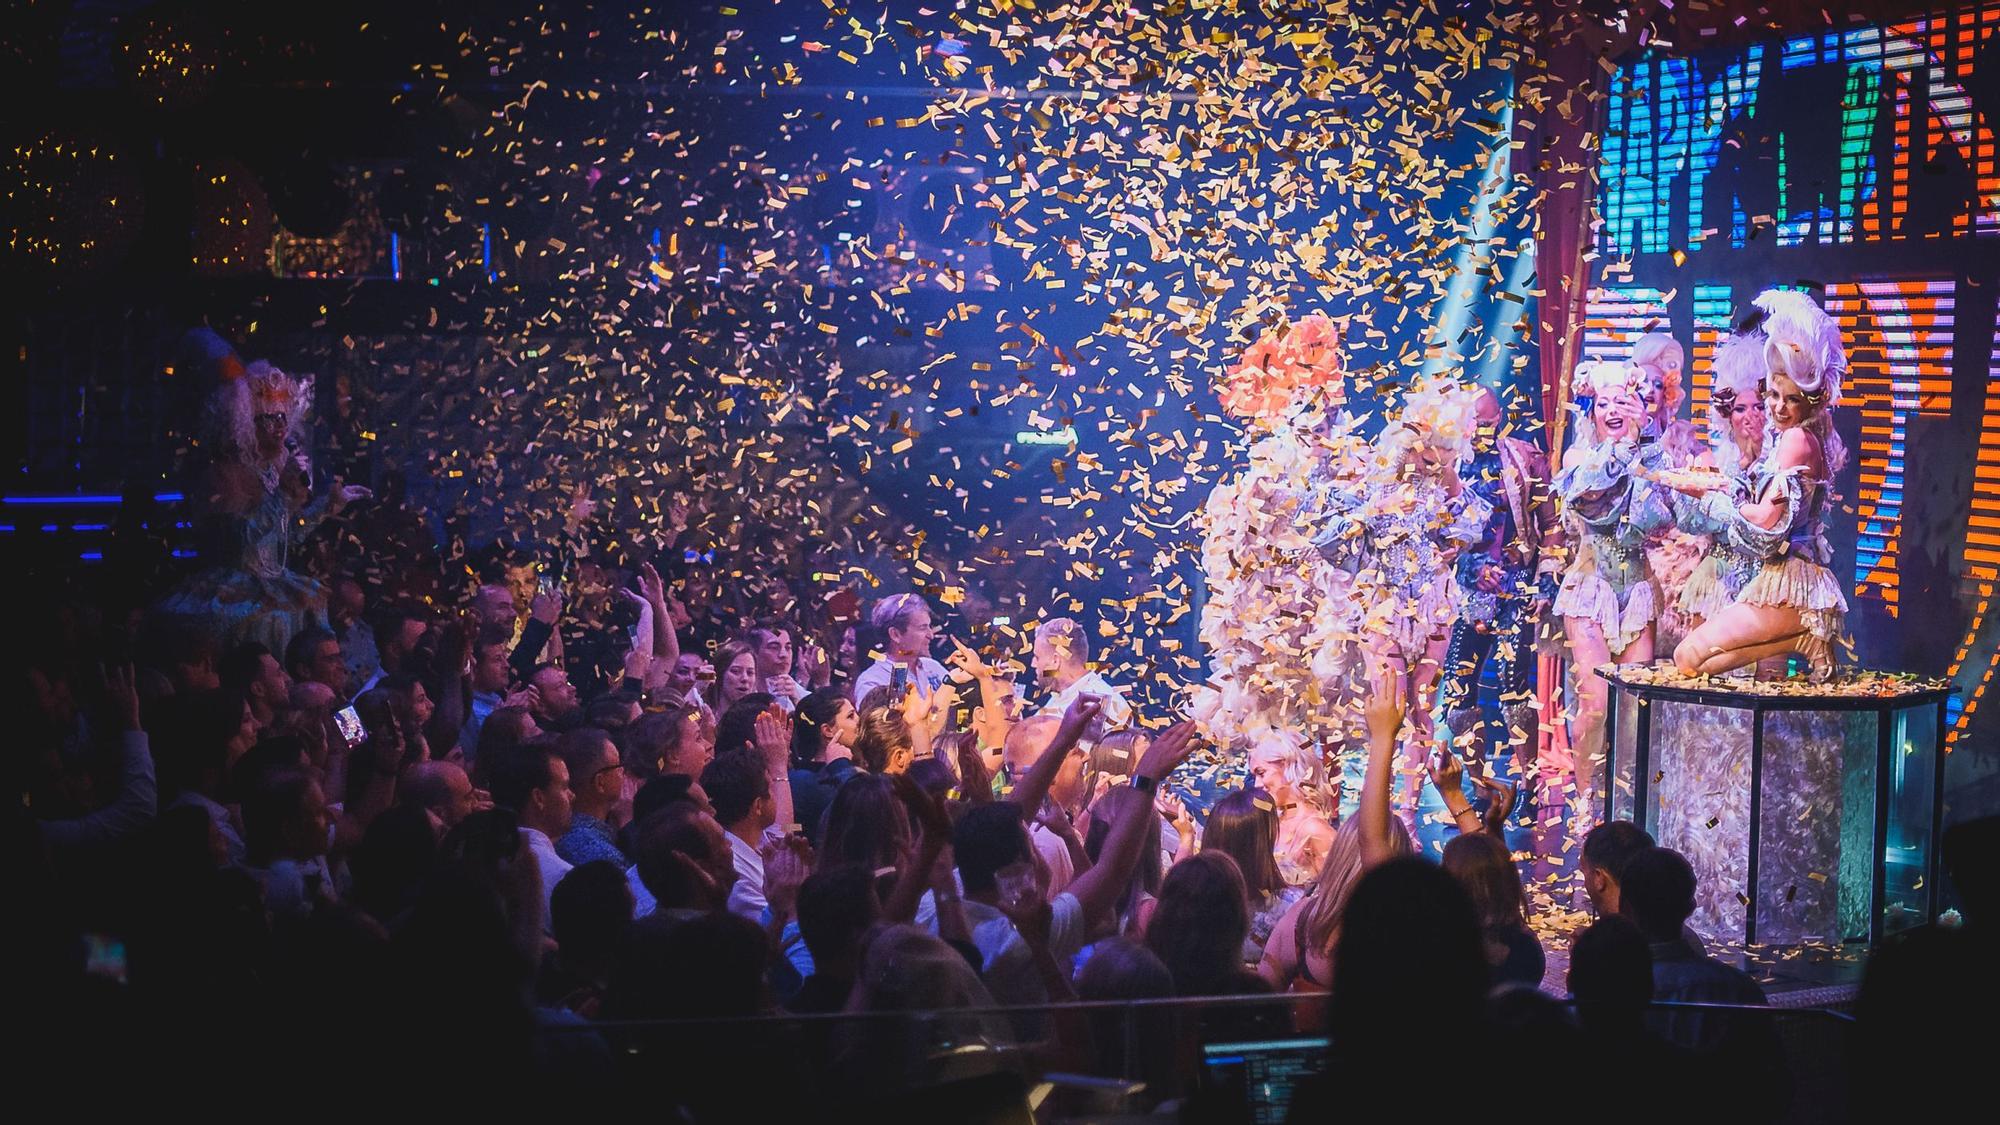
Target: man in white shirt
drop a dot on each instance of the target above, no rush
(996, 868)
(905, 620)
(534, 783)
(1024, 747)
(1062, 664)
(738, 784)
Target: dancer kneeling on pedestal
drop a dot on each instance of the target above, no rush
(1793, 603)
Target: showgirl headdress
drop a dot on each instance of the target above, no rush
(1660, 350)
(1594, 378)
(1792, 321)
(1438, 412)
(261, 389)
(1270, 378)
(1738, 371)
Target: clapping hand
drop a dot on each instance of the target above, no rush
(1165, 754)
(773, 732)
(787, 862)
(1176, 813)
(1499, 801)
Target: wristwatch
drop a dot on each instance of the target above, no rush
(1145, 784)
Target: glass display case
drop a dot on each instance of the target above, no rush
(1810, 813)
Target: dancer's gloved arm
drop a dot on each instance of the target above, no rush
(1762, 527)
(1646, 506)
(1465, 518)
(1339, 528)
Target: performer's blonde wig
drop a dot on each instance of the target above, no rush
(1803, 344)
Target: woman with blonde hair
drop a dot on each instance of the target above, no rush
(1608, 599)
(1294, 779)
(1299, 955)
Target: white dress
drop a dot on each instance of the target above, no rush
(1279, 624)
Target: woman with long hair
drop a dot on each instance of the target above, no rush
(735, 667)
(1199, 927)
(1299, 955)
(865, 824)
(885, 742)
(1294, 779)
(1244, 827)
(1483, 866)
(1135, 904)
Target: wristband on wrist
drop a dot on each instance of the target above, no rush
(1145, 784)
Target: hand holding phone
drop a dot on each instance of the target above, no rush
(349, 722)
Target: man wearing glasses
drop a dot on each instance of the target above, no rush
(596, 786)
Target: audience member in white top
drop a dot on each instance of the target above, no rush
(534, 783)
(1055, 841)
(905, 619)
(738, 784)
(996, 865)
(1062, 664)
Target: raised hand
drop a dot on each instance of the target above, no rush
(967, 660)
(637, 663)
(1384, 709)
(651, 587)
(1082, 712)
(1500, 801)
(1176, 813)
(121, 691)
(1165, 754)
(1447, 772)
(581, 506)
(547, 607)
(787, 862)
(1033, 918)
(773, 732)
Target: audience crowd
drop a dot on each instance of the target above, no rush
(470, 845)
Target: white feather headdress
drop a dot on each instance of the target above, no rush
(1794, 319)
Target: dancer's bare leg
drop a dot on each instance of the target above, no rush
(1386, 654)
(1424, 681)
(1587, 650)
(1744, 634)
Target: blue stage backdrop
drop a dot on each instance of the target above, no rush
(1859, 166)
